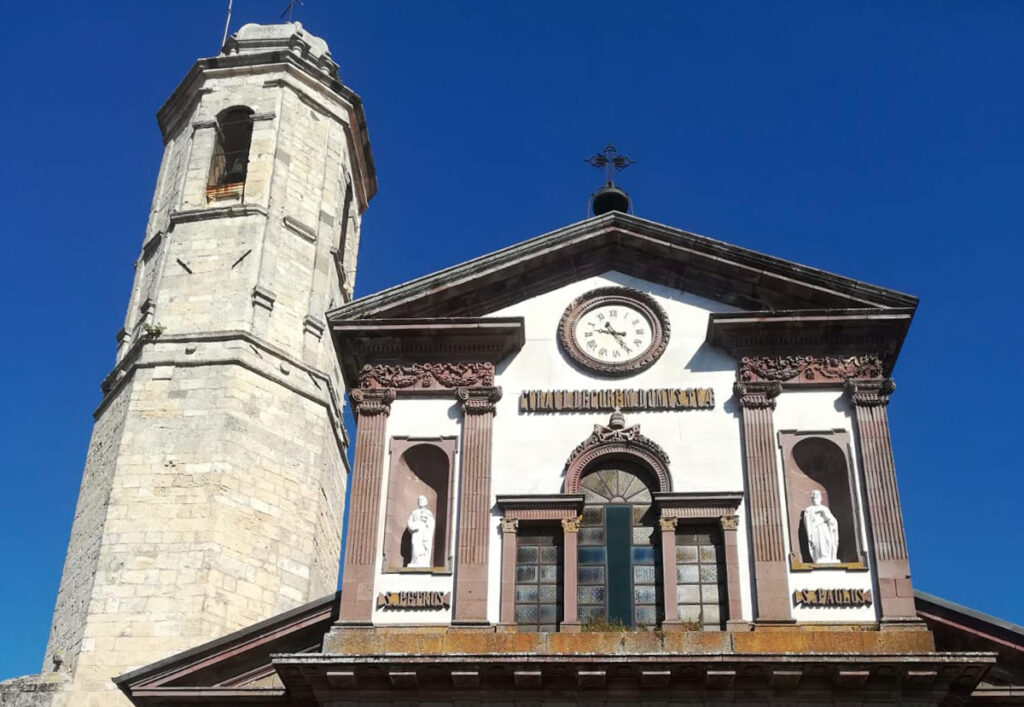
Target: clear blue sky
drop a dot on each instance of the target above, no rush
(878, 140)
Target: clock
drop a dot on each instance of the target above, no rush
(614, 331)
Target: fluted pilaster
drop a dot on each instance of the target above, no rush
(372, 408)
(757, 401)
(478, 405)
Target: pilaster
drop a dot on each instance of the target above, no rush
(757, 400)
(509, 549)
(869, 400)
(372, 408)
(478, 406)
(570, 576)
(668, 569)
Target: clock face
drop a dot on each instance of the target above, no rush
(614, 331)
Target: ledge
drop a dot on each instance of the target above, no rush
(214, 212)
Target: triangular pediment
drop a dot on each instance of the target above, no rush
(236, 667)
(644, 249)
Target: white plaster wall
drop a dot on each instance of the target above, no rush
(820, 410)
(530, 450)
(418, 417)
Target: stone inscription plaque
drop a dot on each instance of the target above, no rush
(414, 600)
(832, 597)
(625, 399)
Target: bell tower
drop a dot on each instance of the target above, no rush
(214, 485)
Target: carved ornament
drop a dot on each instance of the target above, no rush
(730, 522)
(372, 402)
(427, 375)
(809, 369)
(509, 525)
(870, 393)
(668, 524)
(756, 396)
(478, 401)
(571, 525)
(616, 439)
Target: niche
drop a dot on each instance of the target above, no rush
(419, 467)
(820, 461)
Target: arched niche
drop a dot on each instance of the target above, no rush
(820, 461)
(419, 467)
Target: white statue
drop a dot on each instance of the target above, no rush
(421, 528)
(822, 531)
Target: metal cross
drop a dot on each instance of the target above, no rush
(291, 6)
(611, 161)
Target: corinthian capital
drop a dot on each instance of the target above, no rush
(370, 402)
(478, 400)
(870, 393)
(755, 395)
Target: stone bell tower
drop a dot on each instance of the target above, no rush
(214, 486)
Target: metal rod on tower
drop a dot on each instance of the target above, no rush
(291, 6)
(227, 23)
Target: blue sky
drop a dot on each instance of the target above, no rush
(878, 140)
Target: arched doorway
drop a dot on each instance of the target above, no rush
(619, 567)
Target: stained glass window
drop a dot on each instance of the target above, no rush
(619, 568)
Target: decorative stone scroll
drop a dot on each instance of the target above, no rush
(809, 369)
(478, 401)
(616, 438)
(427, 376)
(832, 597)
(367, 403)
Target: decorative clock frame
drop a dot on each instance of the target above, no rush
(626, 296)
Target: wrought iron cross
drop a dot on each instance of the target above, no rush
(611, 161)
(291, 6)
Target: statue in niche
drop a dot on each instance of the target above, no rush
(822, 530)
(421, 530)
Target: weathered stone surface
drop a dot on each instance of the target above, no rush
(213, 490)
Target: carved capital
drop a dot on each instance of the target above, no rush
(668, 524)
(870, 393)
(729, 522)
(478, 401)
(757, 395)
(509, 526)
(571, 525)
(372, 402)
(427, 375)
(809, 369)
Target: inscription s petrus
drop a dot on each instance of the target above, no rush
(625, 399)
(414, 600)
(832, 597)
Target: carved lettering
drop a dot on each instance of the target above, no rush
(625, 399)
(414, 600)
(832, 597)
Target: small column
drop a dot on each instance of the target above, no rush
(371, 407)
(730, 524)
(668, 570)
(509, 549)
(570, 578)
(896, 596)
(474, 504)
(757, 401)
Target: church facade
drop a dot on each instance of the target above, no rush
(614, 462)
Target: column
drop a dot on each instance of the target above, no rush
(668, 570)
(892, 569)
(371, 408)
(474, 504)
(765, 509)
(509, 549)
(570, 577)
(730, 524)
